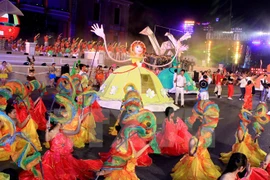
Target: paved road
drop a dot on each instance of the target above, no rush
(162, 165)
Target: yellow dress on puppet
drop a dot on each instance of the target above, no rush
(154, 96)
(248, 147)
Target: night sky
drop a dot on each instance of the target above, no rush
(249, 14)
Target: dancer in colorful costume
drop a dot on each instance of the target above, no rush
(198, 164)
(239, 168)
(16, 144)
(5, 69)
(71, 86)
(248, 95)
(37, 109)
(244, 142)
(23, 111)
(174, 137)
(133, 143)
(154, 96)
(58, 162)
(132, 103)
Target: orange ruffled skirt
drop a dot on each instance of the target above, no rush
(127, 173)
(198, 167)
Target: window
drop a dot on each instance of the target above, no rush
(147, 83)
(96, 11)
(117, 16)
(60, 5)
(32, 2)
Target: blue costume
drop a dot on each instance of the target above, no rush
(167, 76)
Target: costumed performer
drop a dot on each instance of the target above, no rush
(31, 69)
(99, 75)
(58, 162)
(203, 92)
(230, 85)
(245, 143)
(198, 164)
(17, 146)
(28, 127)
(87, 133)
(131, 104)
(248, 95)
(110, 71)
(154, 96)
(218, 80)
(85, 82)
(52, 74)
(239, 168)
(174, 137)
(264, 88)
(126, 151)
(24, 104)
(132, 108)
(5, 69)
(85, 99)
(242, 84)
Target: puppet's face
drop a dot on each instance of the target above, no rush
(138, 49)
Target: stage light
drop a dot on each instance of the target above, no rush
(237, 52)
(209, 45)
(188, 26)
(256, 42)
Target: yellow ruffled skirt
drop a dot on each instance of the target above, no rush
(4, 176)
(87, 132)
(30, 131)
(6, 152)
(198, 167)
(248, 147)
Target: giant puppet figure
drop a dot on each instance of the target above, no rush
(167, 76)
(111, 93)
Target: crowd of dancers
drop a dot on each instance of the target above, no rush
(135, 130)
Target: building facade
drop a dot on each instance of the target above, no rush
(74, 18)
(113, 14)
